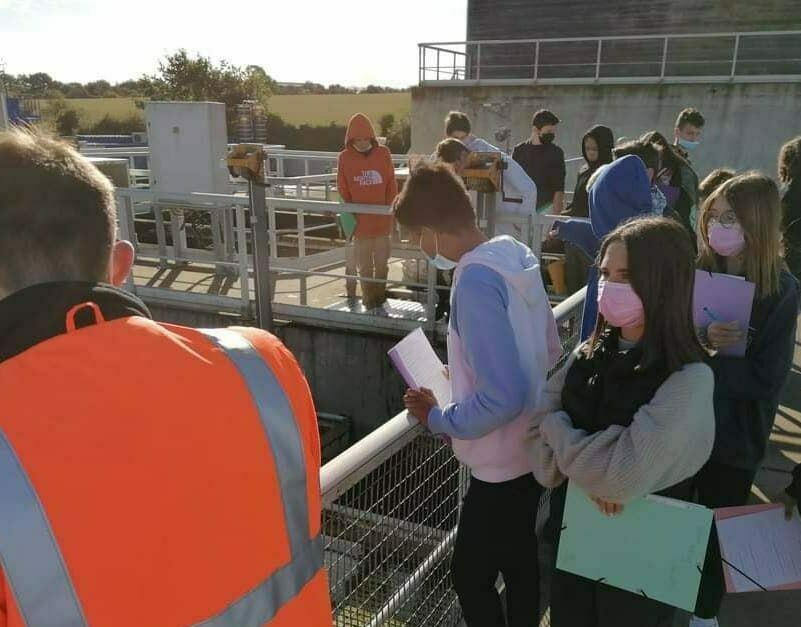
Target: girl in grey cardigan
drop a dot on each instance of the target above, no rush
(631, 413)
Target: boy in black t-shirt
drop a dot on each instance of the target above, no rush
(544, 161)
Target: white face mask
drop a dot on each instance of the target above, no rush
(440, 262)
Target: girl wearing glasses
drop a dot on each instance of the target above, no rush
(740, 234)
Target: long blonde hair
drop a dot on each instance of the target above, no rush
(754, 198)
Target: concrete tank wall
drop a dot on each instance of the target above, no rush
(349, 373)
(746, 123)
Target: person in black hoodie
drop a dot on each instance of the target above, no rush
(790, 179)
(740, 235)
(596, 146)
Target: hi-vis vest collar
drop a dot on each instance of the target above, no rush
(35, 569)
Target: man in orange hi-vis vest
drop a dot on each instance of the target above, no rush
(149, 474)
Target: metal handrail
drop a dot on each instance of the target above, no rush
(772, 33)
(462, 62)
(356, 462)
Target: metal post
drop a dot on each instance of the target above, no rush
(734, 56)
(478, 62)
(419, 64)
(273, 226)
(598, 60)
(127, 230)
(261, 255)
(350, 270)
(536, 60)
(302, 254)
(437, 63)
(664, 58)
(244, 267)
(161, 234)
(489, 207)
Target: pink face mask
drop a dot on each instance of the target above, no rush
(620, 305)
(727, 241)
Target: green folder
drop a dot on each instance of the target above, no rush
(347, 222)
(655, 547)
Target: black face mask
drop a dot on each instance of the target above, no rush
(547, 138)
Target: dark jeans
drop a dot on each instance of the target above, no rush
(718, 485)
(577, 268)
(497, 535)
(580, 602)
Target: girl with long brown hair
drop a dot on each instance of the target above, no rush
(631, 413)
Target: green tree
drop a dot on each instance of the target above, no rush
(181, 77)
(100, 89)
(386, 124)
(68, 122)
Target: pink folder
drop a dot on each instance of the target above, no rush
(725, 513)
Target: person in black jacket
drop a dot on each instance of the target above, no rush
(596, 146)
(740, 235)
(790, 179)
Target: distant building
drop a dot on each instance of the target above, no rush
(549, 19)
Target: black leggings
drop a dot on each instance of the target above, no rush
(718, 485)
(497, 535)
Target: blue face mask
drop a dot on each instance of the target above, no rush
(687, 144)
(440, 262)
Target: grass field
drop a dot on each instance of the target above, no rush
(315, 110)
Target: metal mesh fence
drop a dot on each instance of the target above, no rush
(390, 534)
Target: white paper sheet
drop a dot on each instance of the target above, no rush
(764, 546)
(420, 367)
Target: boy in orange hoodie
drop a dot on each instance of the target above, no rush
(365, 175)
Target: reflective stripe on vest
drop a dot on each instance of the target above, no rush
(32, 561)
(283, 436)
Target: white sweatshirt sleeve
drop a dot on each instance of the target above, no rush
(668, 441)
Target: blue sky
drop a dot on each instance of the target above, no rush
(352, 42)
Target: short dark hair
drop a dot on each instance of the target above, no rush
(790, 161)
(543, 118)
(450, 150)
(690, 116)
(457, 121)
(434, 197)
(715, 179)
(661, 268)
(650, 153)
(57, 213)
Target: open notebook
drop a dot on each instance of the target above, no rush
(420, 367)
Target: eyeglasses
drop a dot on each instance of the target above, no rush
(727, 220)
